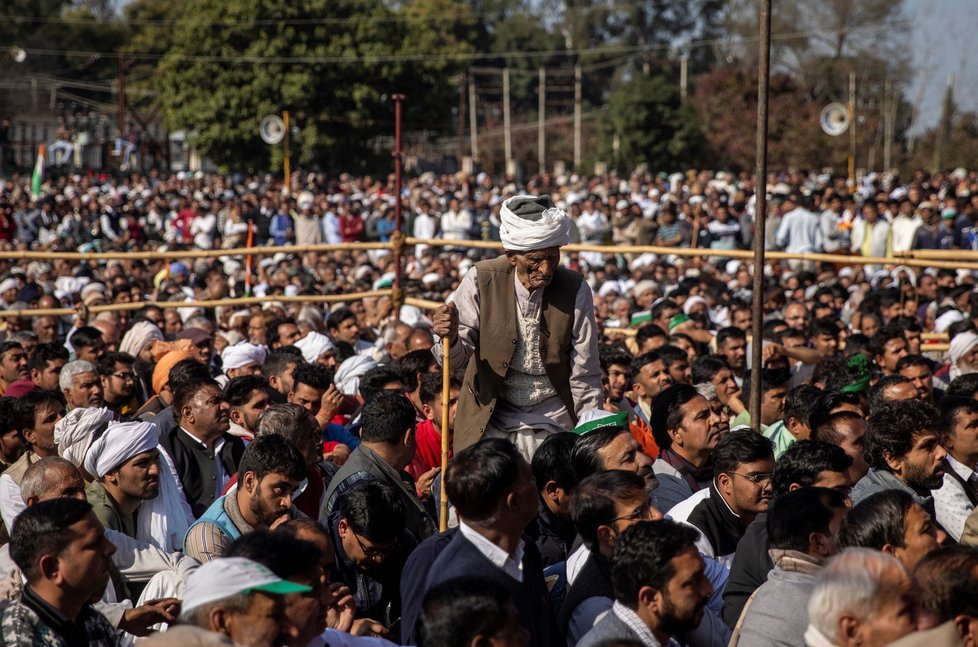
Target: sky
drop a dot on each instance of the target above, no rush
(942, 41)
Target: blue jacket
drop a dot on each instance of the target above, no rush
(217, 515)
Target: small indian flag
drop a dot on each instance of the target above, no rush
(37, 179)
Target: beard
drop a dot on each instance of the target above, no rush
(674, 622)
(264, 515)
(921, 479)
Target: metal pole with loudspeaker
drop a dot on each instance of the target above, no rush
(835, 121)
(273, 130)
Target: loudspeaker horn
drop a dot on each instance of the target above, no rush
(272, 129)
(834, 119)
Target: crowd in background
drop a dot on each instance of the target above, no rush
(270, 474)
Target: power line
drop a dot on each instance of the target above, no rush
(446, 56)
(406, 16)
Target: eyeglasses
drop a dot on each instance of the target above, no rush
(759, 480)
(125, 376)
(374, 551)
(639, 513)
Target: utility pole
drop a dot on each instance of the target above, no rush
(542, 109)
(507, 132)
(887, 125)
(473, 134)
(461, 118)
(760, 217)
(287, 170)
(683, 76)
(577, 117)
(122, 96)
(398, 215)
(852, 130)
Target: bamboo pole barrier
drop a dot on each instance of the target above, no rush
(966, 254)
(918, 258)
(742, 254)
(446, 381)
(213, 303)
(424, 304)
(195, 253)
(630, 332)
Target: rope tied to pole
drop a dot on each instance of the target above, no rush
(398, 242)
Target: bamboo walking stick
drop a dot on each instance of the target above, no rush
(446, 349)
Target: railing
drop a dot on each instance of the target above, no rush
(917, 258)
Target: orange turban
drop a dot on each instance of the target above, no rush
(161, 374)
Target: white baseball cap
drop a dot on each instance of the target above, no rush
(229, 576)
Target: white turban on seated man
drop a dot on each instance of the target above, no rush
(243, 359)
(127, 461)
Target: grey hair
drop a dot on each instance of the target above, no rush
(306, 326)
(311, 313)
(856, 581)
(200, 616)
(390, 331)
(197, 321)
(283, 420)
(71, 369)
(23, 335)
(708, 390)
(37, 478)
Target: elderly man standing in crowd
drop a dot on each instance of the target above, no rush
(536, 368)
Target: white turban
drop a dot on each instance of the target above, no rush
(8, 284)
(529, 222)
(138, 336)
(120, 442)
(73, 433)
(942, 323)
(960, 346)
(691, 302)
(164, 520)
(313, 345)
(348, 376)
(241, 355)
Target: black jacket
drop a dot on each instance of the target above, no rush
(751, 564)
(195, 465)
(377, 593)
(364, 464)
(594, 581)
(413, 579)
(721, 527)
(552, 535)
(461, 558)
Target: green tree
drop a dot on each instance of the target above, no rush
(648, 123)
(332, 63)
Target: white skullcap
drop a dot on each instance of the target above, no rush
(529, 222)
(692, 301)
(314, 345)
(87, 291)
(942, 323)
(242, 354)
(73, 433)
(643, 286)
(960, 346)
(120, 442)
(137, 337)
